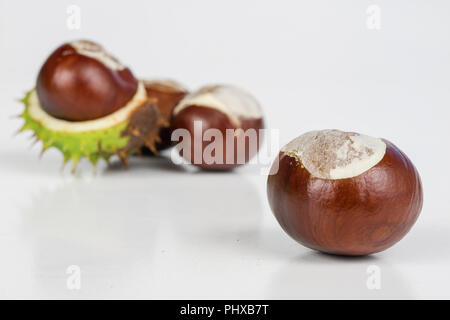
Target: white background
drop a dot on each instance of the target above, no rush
(162, 231)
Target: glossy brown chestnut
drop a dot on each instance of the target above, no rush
(80, 81)
(166, 94)
(358, 215)
(220, 108)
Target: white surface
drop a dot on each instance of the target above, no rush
(158, 231)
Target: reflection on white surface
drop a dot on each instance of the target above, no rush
(90, 224)
(162, 231)
(314, 275)
(133, 233)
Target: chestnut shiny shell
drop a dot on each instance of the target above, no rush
(353, 216)
(214, 119)
(76, 87)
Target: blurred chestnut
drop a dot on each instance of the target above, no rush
(166, 94)
(222, 116)
(344, 193)
(80, 81)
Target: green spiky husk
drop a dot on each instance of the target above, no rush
(92, 145)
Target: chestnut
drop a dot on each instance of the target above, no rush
(80, 81)
(344, 193)
(166, 94)
(88, 105)
(220, 115)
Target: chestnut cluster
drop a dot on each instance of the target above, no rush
(81, 83)
(333, 191)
